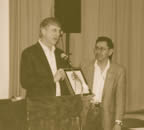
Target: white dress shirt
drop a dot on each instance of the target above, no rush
(98, 81)
(50, 55)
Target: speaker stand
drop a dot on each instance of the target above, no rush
(68, 44)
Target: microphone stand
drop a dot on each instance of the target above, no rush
(70, 64)
(76, 78)
(71, 68)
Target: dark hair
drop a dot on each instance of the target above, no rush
(49, 21)
(108, 41)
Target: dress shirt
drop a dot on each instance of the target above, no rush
(50, 55)
(98, 81)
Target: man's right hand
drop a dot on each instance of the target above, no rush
(59, 75)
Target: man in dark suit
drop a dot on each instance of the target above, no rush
(41, 71)
(42, 63)
(107, 81)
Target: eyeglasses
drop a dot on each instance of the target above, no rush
(101, 48)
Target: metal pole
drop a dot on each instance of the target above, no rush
(67, 44)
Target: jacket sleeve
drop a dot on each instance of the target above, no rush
(28, 76)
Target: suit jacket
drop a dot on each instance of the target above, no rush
(35, 73)
(113, 98)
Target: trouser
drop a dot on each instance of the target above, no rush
(94, 118)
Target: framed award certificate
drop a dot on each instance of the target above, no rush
(76, 81)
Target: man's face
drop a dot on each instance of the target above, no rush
(102, 51)
(51, 34)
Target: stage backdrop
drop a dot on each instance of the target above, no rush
(25, 17)
(122, 20)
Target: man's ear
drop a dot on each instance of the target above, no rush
(111, 52)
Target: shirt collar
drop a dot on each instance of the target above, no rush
(106, 68)
(45, 48)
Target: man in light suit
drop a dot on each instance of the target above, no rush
(107, 82)
(41, 71)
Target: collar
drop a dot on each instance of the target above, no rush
(106, 68)
(45, 48)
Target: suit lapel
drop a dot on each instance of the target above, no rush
(109, 80)
(91, 75)
(43, 58)
(57, 57)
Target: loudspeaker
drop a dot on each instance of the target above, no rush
(68, 12)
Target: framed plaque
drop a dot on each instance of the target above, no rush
(76, 81)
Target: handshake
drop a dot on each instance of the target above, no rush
(59, 75)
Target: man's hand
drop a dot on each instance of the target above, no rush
(93, 99)
(117, 127)
(60, 75)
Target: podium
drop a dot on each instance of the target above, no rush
(54, 113)
(13, 114)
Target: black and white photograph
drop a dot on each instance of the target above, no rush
(76, 81)
(71, 65)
